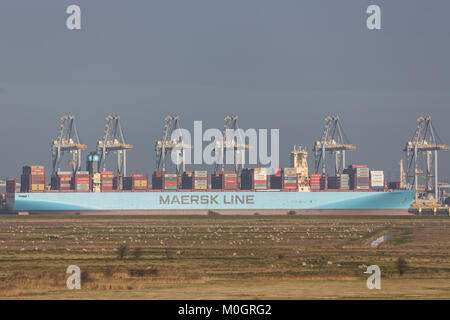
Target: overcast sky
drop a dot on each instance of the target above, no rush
(277, 64)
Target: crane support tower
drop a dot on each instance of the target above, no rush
(334, 141)
(166, 145)
(67, 142)
(113, 141)
(231, 142)
(425, 142)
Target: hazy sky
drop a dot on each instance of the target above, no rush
(277, 64)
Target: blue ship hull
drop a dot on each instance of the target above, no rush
(203, 202)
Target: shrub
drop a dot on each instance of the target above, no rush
(122, 251)
(291, 212)
(85, 277)
(401, 265)
(137, 253)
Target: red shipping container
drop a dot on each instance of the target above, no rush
(159, 173)
(170, 183)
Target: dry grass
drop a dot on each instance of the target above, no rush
(172, 254)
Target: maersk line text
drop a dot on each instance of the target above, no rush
(207, 199)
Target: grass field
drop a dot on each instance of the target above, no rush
(223, 257)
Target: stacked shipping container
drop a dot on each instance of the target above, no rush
(355, 177)
(170, 181)
(230, 180)
(359, 177)
(339, 182)
(135, 182)
(324, 182)
(377, 180)
(186, 180)
(247, 179)
(224, 180)
(200, 180)
(260, 178)
(81, 181)
(32, 179)
(290, 178)
(157, 179)
(314, 181)
(106, 180)
(276, 179)
(217, 180)
(62, 181)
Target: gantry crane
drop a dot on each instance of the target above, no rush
(425, 142)
(166, 145)
(237, 143)
(334, 141)
(67, 142)
(113, 141)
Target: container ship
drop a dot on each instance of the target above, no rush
(355, 189)
(358, 190)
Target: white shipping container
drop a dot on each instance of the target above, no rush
(201, 173)
(260, 177)
(65, 173)
(377, 178)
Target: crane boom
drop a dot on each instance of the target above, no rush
(334, 141)
(67, 141)
(424, 142)
(166, 145)
(113, 142)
